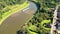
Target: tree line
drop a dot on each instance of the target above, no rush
(5, 3)
(40, 23)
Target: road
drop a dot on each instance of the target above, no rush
(13, 23)
(54, 20)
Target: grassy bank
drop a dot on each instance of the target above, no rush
(13, 9)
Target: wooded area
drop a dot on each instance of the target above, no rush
(5, 3)
(40, 23)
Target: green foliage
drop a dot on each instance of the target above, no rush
(44, 24)
(1, 15)
(32, 27)
(32, 32)
(5, 3)
(43, 17)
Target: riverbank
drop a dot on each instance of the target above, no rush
(14, 22)
(14, 10)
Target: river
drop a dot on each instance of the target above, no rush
(13, 23)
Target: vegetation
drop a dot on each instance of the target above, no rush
(8, 7)
(40, 23)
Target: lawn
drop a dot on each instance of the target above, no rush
(14, 9)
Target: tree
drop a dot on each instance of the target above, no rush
(1, 15)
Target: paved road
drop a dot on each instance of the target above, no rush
(54, 20)
(13, 23)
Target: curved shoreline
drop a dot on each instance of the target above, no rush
(14, 22)
(14, 12)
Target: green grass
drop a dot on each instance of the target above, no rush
(14, 9)
(32, 32)
(45, 21)
(32, 27)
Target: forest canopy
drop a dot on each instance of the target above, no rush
(40, 22)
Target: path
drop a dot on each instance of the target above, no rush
(54, 20)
